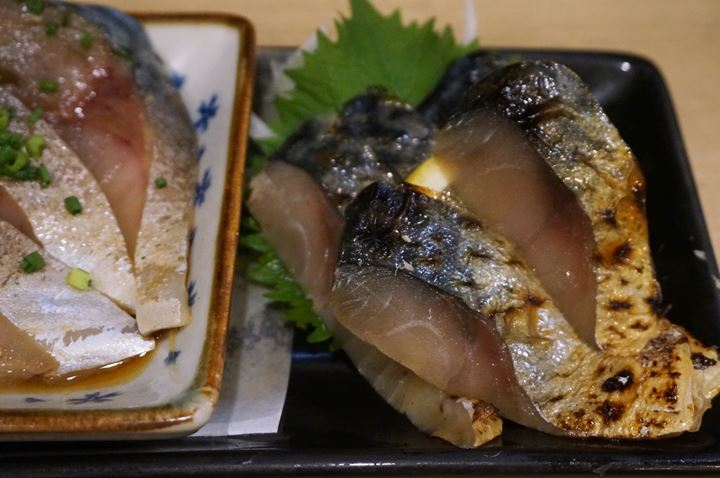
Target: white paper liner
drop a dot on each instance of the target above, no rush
(257, 367)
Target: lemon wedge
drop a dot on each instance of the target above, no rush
(429, 175)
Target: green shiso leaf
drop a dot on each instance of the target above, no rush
(371, 49)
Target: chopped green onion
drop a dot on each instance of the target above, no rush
(79, 279)
(6, 115)
(35, 115)
(33, 262)
(86, 41)
(7, 154)
(47, 85)
(73, 205)
(14, 140)
(35, 146)
(44, 177)
(51, 28)
(35, 6)
(21, 160)
(160, 183)
(8, 138)
(123, 51)
(28, 173)
(65, 19)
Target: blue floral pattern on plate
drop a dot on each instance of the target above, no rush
(94, 397)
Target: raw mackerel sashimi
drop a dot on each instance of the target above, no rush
(109, 97)
(81, 330)
(91, 240)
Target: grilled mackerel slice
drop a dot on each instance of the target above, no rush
(454, 302)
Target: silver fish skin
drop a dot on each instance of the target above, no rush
(162, 250)
(116, 108)
(92, 240)
(82, 330)
(399, 241)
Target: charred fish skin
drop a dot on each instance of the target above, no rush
(400, 228)
(375, 136)
(568, 129)
(576, 390)
(323, 165)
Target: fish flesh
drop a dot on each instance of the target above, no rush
(91, 241)
(81, 330)
(305, 228)
(466, 423)
(298, 199)
(494, 286)
(414, 270)
(569, 130)
(492, 170)
(161, 254)
(566, 127)
(21, 357)
(563, 124)
(114, 106)
(95, 107)
(323, 166)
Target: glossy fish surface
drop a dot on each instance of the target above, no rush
(90, 240)
(298, 199)
(565, 125)
(89, 97)
(397, 231)
(305, 229)
(447, 97)
(112, 102)
(162, 245)
(375, 136)
(21, 357)
(81, 330)
(567, 128)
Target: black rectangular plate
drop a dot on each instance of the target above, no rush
(334, 423)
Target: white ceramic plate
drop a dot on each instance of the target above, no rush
(173, 392)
